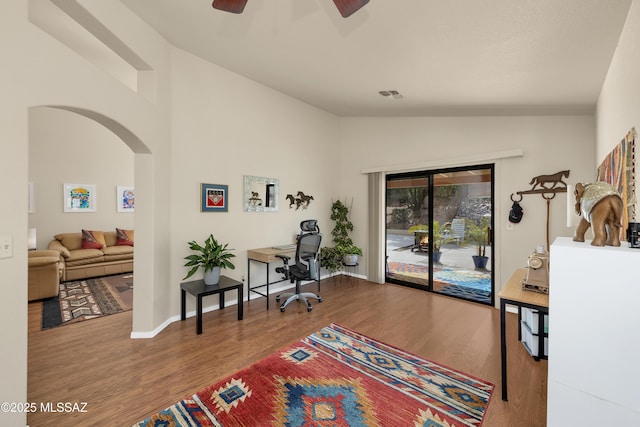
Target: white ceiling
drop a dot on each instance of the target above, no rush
(446, 57)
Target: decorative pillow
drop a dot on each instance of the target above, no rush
(124, 237)
(93, 239)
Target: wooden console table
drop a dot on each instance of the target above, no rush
(513, 294)
(198, 289)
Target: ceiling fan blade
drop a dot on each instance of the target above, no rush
(233, 6)
(349, 7)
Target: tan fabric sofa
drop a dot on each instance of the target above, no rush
(83, 263)
(45, 271)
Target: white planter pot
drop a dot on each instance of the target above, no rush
(212, 277)
(350, 259)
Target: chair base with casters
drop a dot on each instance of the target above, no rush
(297, 296)
(306, 265)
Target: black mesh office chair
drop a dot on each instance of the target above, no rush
(306, 265)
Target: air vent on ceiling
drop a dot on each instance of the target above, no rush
(391, 94)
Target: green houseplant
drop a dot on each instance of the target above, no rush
(480, 236)
(213, 256)
(343, 226)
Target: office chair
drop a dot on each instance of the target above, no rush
(306, 265)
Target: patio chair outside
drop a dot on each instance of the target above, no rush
(457, 231)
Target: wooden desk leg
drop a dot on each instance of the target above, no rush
(221, 300)
(240, 305)
(199, 315)
(183, 304)
(503, 347)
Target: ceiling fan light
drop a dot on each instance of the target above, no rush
(233, 6)
(349, 7)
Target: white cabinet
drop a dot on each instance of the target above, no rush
(594, 316)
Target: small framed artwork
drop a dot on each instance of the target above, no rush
(125, 198)
(79, 198)
(214, 198)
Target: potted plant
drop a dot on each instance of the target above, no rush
(330, 259)
(479, 235)
(212, 257)
(420, 231)
(343, 226)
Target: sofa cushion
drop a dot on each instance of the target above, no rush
(116, 253)
(124, 237)
(84, 256)
(92, 239)
(110, 237)
(71, 241)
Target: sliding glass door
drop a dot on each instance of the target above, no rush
(439, 231)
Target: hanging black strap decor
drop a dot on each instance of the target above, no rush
(516, 212)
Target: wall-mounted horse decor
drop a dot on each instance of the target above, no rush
(542, 181)
(300, 200)
(547, 186)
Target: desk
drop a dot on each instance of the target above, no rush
(267, 256)
(513, 294)
(198, 289)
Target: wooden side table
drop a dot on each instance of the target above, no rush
(513, 294)
(198, 289)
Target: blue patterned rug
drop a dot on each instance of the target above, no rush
(336, 377)
(474, 285)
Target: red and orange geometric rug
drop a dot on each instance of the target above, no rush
(336, 377)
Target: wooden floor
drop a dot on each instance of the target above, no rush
(124, 380)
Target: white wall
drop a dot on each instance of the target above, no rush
(610, 397)
(225, 126)
(550, 144)
(619, 103)
(38, 70)
(65, 147)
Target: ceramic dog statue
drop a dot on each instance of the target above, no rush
(600, 206)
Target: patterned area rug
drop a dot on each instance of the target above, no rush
(336, 377)
(88, 299)
(473, 285)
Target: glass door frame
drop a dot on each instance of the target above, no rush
(429, 175)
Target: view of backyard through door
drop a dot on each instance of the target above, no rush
(439, 231)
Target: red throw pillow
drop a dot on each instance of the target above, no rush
(93, 239)
(124, 237)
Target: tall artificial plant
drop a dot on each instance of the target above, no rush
(343, 226)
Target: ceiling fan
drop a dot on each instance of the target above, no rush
(346, 7)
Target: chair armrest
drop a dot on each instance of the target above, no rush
(284, 258)
(44, 260)
(43, 253)
(57, 246)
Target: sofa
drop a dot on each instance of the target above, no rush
(94, 253)
(44, 274)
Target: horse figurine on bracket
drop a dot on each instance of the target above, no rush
(542, 181)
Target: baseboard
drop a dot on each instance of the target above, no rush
(273, 290)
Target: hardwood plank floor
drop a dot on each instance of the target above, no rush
(124, 380)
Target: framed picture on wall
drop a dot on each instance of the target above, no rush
(125, 198)
(214, 198)
(80, 198)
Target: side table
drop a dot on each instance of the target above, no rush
(513, 294)
(198, 289)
